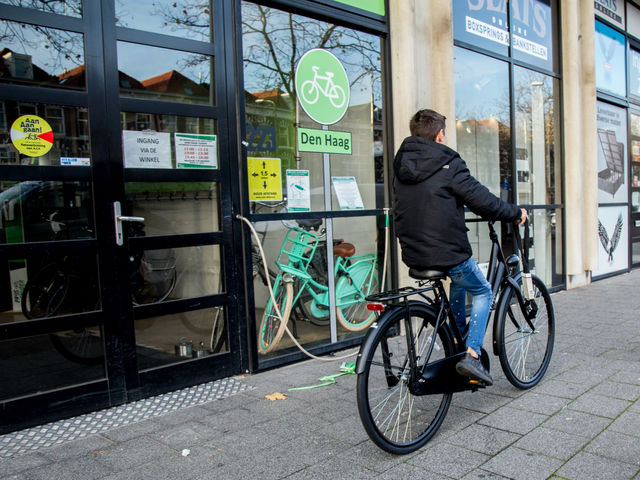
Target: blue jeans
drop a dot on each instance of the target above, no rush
(467, 277)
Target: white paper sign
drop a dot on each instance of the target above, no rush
(348, 194)
(196, 151)
(146, 149)
(298, 192)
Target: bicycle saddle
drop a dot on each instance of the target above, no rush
(310, 224)
(426, 274)
(344, 250)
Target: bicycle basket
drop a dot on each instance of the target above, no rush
(297, 251)
(157, 266)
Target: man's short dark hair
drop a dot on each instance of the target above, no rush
(426, 124)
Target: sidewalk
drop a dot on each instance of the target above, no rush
(581, 422)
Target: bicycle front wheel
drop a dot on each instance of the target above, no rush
(525, 349)
(271, 328)
(395, 419)
(351, 291)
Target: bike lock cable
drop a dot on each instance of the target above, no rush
(275, 303)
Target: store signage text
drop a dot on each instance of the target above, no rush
(609, 8)
(324, 141)
(531, 32)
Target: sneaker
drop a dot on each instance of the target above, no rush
(472, 367)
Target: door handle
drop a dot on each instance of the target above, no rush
(118, 219)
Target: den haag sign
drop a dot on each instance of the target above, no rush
(530, 30)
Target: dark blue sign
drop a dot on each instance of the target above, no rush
(485, 23)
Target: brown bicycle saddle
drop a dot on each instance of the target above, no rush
(344, 250)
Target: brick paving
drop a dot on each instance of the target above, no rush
(581, 422)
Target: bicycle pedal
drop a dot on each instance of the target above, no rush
(476, 383)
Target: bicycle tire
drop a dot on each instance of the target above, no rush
(141, 295)
(271, 328)
(79, 346)
(385, 404)
(311, 94)
(45, 293)
(362, 280)
(524, 354)
(218, 331)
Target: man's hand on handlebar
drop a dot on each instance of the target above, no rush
(524, 216)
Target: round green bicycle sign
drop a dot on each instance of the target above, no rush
(322, 86)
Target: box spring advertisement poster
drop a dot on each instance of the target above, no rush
(612, 148)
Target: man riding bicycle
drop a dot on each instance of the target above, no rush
(432, 185)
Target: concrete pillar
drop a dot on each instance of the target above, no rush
(580, 149)
(421, 36)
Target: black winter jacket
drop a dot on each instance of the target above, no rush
(432, 185)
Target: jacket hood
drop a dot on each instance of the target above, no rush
(418, 159)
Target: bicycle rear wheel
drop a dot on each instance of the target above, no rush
(271, 328)
(80, 345)
(525, 352)
(43, 296)
(395, 419)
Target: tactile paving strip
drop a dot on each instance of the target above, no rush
(28, 440)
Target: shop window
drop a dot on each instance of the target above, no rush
(167, 75)
(72, 8)
(537, 138)
(37, 55)
(633, 20)
(168, 141)
(610, 60)
(174, 208)
(192, 20)
(280, 127)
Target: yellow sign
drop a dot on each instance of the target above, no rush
(32, 135)
(265, 179)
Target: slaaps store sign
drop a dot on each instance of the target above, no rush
(487, 22)
(611, 10)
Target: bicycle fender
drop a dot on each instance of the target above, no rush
(512, 282)
(371, 337)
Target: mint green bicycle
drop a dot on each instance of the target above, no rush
(356, 276)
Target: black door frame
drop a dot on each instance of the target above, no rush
(122, 382)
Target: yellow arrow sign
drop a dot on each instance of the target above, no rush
(265, 179)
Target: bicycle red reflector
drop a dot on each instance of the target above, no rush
(375, 307)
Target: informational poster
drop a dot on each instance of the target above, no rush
(610, 60)
(613, 234)
(612, 11)
(32, 135)
(612, 148)
(196, 151)
(347, 192)
(634, 72)
(298, 192)
(265, 179)
(146, 149)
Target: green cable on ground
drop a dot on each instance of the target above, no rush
(345, 369)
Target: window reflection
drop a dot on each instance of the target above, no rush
(545, 255)
(168, 75)
(482, 119)
(537, 138)
(273, 115)
(40, 211)
(72, 8)
(190, 19)
(36, 55)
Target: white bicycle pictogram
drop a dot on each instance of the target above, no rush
(311, 89)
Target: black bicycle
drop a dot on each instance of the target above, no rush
(406, 364)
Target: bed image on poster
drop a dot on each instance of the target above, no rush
(612, 148)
